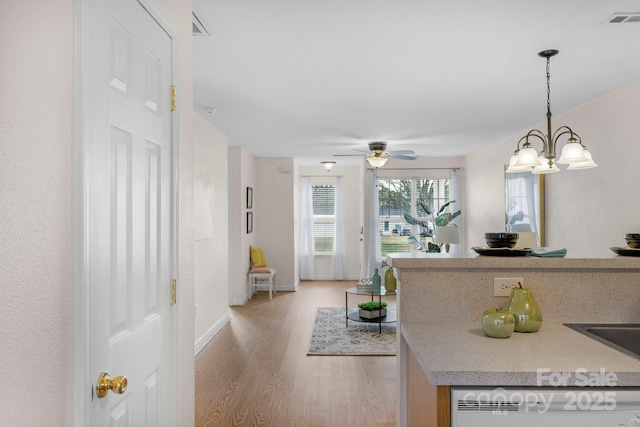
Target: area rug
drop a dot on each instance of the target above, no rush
(331, 336)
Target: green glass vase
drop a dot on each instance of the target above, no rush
(375, 282)
(525, 310)
(389, 280)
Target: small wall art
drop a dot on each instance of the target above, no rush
(249, 197)
(249, 222)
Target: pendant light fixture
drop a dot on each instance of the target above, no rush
(328, 165)
(574, 153)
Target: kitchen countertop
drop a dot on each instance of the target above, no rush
(473, 260)
(460, 354)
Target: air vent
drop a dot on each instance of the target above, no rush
(477, 406)
(623, 18)
(199, 28)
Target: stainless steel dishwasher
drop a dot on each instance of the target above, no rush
(545, 407)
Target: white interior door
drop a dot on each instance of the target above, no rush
(128, 212)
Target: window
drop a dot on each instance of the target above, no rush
(324, 218)
(397, 197)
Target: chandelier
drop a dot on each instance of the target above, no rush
(574, 153)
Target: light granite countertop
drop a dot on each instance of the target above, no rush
(460, 354)
(472, 260)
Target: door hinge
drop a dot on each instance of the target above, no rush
(173, 98)
(173, 291)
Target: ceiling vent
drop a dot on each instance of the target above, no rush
(199, 28)
(623, 18)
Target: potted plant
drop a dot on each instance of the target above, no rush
(427, 228)
(372, 309)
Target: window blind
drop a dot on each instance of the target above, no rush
(324, 219)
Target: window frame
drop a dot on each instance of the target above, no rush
(318, 219)
(398, 219)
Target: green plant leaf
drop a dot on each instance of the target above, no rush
(423, 205)
(432, 247)
(446, 218)
(411, 220)
(372, 305)
(443, 207)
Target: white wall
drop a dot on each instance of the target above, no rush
(36, 219)
(211, 233)
(36, 186)
(242, 174)
(352, 210)
(274, 219)
(274, 224)
(587, 211)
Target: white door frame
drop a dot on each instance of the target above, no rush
(81, 383)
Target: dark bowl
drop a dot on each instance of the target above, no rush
(501, 240)
(633, 240)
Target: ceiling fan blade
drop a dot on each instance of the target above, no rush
(349, 155)
(402, 157)
(405, 152)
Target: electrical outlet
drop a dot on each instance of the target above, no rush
(502, 285)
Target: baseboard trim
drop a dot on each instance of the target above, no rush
(212, 332)
(241, 301)
(289, 288)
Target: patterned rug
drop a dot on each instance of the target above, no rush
(332, 337)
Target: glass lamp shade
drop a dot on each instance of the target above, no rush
(572, 152)
(328, 165)
(516, 169)
(543, 166)
(377, 162)
(527, 157)
(583, 165)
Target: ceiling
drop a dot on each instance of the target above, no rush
(308, 79)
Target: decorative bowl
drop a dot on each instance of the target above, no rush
(501, 240)
(633, 240)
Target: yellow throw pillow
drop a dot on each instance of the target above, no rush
(262, 258)
(257, 257)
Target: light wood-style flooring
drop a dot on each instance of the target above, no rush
(256, 372)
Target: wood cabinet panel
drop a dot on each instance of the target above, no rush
(428, 405)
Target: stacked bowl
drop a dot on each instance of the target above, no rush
(633, 240)
(501, 240)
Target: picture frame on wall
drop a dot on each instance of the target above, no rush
(249, 197)
(249, 222)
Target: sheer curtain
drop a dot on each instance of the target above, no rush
(454, 194)
(373, 251)
(306, 230)
(340, 260)
(522, 202)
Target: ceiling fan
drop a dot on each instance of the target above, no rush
(377, 155)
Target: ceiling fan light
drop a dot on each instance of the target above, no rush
(572, 152)
(377, 162)
(584, 165)
(328, 165)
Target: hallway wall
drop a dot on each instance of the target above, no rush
(36, 187)
(39, 299)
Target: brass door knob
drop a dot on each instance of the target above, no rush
(105, 383)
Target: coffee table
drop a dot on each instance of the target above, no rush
(389, 318)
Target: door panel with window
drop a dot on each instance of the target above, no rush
(397, 197)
